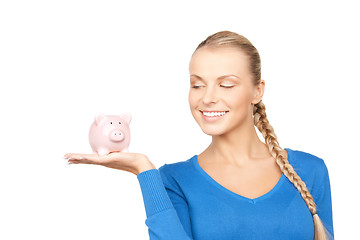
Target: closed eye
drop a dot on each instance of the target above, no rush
(224, 86)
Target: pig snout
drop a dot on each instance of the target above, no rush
(116, 135)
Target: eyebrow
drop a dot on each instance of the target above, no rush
(219, 78)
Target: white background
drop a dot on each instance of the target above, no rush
(64, 61)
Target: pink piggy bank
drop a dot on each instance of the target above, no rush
(110, 133)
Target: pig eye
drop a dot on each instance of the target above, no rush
(110, 122)
(119, 122)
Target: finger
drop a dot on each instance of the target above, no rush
(72, 155)
(87, 159)
(72, 161)
(77, 156)
(80, 160)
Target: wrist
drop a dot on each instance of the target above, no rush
(144, 165)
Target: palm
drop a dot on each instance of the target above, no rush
(119, 160)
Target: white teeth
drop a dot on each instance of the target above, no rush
(212, 114)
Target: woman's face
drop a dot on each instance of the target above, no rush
(221, 86)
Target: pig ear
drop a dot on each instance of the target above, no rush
(99, 117)
(126, 116)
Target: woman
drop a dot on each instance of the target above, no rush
(238, 187)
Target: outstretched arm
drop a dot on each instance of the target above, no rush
(164, 220)
(166, 208)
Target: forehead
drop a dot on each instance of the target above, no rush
(216, 61)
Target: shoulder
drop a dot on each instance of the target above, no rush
(305, 162)
(305, 158)
(308, 166)
(177, 167)
(173, 172)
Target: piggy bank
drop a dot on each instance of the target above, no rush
(110, 133)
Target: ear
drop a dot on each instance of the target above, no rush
(99, 117)
(259, 92)
(126, 116)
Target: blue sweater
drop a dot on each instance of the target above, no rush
(183, 202)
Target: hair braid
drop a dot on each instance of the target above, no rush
(281, 158)
(262, 123)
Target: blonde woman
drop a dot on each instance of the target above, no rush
(238, 187)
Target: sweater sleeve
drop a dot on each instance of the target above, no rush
(322, 197)
(163, 219)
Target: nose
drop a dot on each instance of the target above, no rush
(209, 96)
(116, 135)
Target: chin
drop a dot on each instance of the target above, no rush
(210, 129)
(213, 131)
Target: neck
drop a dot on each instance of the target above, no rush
(240, 146)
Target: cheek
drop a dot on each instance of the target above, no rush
(238, 99)
(193, 100)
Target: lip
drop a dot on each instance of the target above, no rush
(212, 119)
(212, 111)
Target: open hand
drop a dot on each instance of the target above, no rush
(131, 162)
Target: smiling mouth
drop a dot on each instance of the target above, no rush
(213, 113)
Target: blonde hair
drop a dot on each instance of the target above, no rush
(232, 39)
